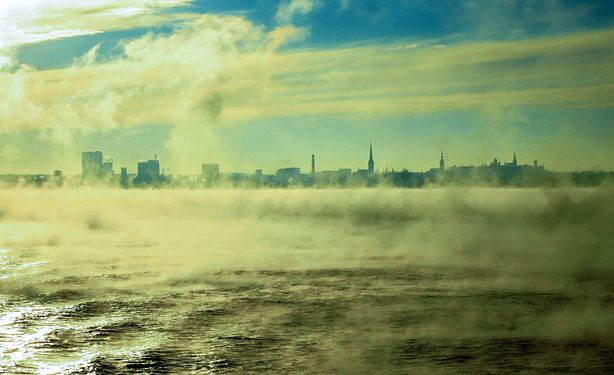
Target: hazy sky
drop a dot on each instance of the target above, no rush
(264, 83)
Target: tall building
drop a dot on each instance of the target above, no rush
(154, 168)
(148, 172)
(91, 165)
(106, 172)
(442, 164)
(142, 170)
(514, 161)
(123, 177)
(371, 162)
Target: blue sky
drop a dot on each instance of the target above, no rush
(263, 84)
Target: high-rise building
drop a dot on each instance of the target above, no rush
(371, 162)
(148, 172)
(154, 168)
(91, 165)
(106, 171)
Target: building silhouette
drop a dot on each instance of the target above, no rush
(148, 172)
(313, 164)
(210, 173)
(94, 168)
(91, 165)
(371, 164)
(123, 177)
(442, 164)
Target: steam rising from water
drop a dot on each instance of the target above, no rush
(482, 280)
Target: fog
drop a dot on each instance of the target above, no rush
(377, 279)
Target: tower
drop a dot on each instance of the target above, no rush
(91, 165)
(371, 162)
(514, 161)
(313, 163)
(442, 164)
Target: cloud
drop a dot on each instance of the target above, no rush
(393, 79)
(517, 18)
(282, 35)
(217, 71)
(171, 79)
(289, 8)
(32, 21)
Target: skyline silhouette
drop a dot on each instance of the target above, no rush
(98, 170)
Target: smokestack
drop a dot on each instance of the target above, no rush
(313, 164)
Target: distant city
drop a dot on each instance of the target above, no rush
(96, 171)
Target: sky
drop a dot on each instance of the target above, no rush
(263, 84)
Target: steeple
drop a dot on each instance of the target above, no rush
(514, 162)
(442, 164)
(371, 162)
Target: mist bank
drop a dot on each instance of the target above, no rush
(331, 280)
(466, 177)
(501, 230)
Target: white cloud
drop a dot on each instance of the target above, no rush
(30, 21)
(289, 8)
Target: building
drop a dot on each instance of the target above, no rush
(371, 162)
(94, 168)
(210, 171)
(514, 162)
(148, 172)
(91, 165)
(153, 167)
(106, 172)
(442, 164)
(313, 164)
(288, 174)
(123, 177)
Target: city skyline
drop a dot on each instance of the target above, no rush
(97, 170)
(106, 164)
(313, 166)
(264, 81)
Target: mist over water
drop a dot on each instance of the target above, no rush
(307, 281)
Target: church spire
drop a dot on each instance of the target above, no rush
(371, 162)
(442, 164)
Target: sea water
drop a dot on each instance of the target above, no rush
(307, 281)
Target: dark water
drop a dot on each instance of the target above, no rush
(307, 282)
